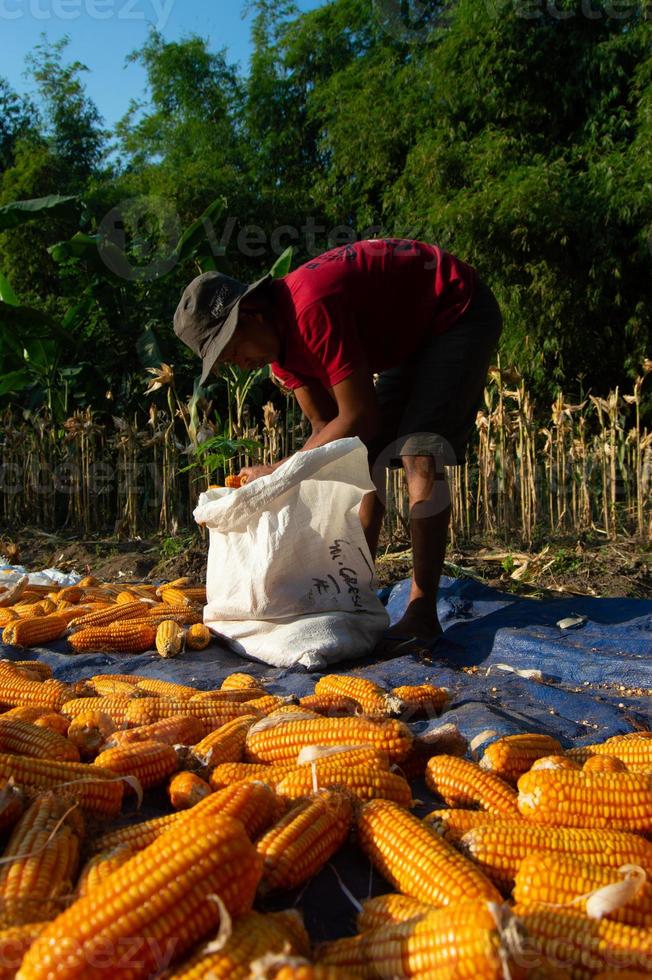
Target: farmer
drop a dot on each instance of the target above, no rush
(385, 339)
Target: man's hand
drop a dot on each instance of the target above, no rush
(250, 473)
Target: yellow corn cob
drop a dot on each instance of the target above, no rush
(453, 823)
(291, 709)
(264, 705)
(241, 682)
(183, 597)
(234, 481)
(386, 909)
(614, 800)
(635, 750)
(225, 744)
(166, 689)
(12, 593)
(231, 773)
(462, 783)
(513, 755)
(157, 901)
(186, 789)
(319, 756)
(99, 867)
(254, 935)
(32, 632)
(299, 845)
(329, 704)
(604, 763)
(415, 860)
(238, 696)
(252, 803)
(169, 638)
(34, 715)
(182, 615)
(108, 687)
(29, 610)
(283, 740)
(15, 691)
(8, 615)
(114, 613)
(498, 849)
(373, 700)
(89, 730)
(361, 782)
(177, 583)
(145, 711)
(298, 968)
(96, 790)
(131, 679)
(70, 593)
(126, 596)
(37, 666)
(422, 699)
(12, 804)
(198, 636)
(176, 730)
(150, 762)
(558, 880)
(118, 637)
(14, 943)
(553, 762)
(463, 940)
(22, 738)
(585, 946)
(44, 855)
(114, 707)
(88, 581)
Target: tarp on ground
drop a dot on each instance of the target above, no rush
(590, 681)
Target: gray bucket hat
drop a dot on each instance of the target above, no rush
(207, 315)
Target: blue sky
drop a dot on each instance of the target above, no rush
(104, 32)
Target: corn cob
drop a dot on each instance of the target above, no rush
(96, 790)
(99, 867)
(126, 596)
(157, 898)
(182, 615)
(7, 615)
(614, 800)
(452, 824)
(22, 738)
(198, 636)
(177, 583)
(180, 597)
(463, 940)
(461, 783)
(253, 804)
(604, 763)
(342, 755)
(559, 880)
(553, 762)
(415, 860)
(114, 707)
(635, 750)
(239, 697)
(150, 762)
(231, 773)
(373, 700)
(361, 782)
(291, 709)
(513, 755)
(11, 804)
(585, 946)
(16, 692)
(29, 610)
(254, 935)
(176, 730)
(118, 637)
(32, 632)
(386, 909)
(89, 730)
(281, 739)
(225, 744)
(299, 845)
(145, 711)
(241, 682)
(12, 593)
(14, 943)
(329, 704)
(108, 687)
(44, 671)
(34, 715)
(498, 849)
(234, 481)
(41, 861)
(169, 638)
(104, 617)
(88, 581)
(264, 705)
(186, 789)
(70, 593)
(298, 968)
(421, 699)
(165, 689)
(131, 679)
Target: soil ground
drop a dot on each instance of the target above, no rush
(589, 566)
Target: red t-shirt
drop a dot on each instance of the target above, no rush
(372, 302)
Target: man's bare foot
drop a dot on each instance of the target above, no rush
(419, 621)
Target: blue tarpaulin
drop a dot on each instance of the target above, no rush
(591, 682)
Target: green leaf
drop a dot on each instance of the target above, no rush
(283, 263)
(148, 349)
(15, 381)
(200, 232)
(7, 295)
(15, 214)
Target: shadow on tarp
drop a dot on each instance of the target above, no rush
(588, 692)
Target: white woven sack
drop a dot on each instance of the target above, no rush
(290, 578)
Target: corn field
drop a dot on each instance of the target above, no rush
(588, 468)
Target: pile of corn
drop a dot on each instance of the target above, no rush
(535, 864)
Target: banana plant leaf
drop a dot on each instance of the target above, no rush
(15, 214)
(148, 349)
(283, 263)
(101, 255)
(198, 235)
(14, 381)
